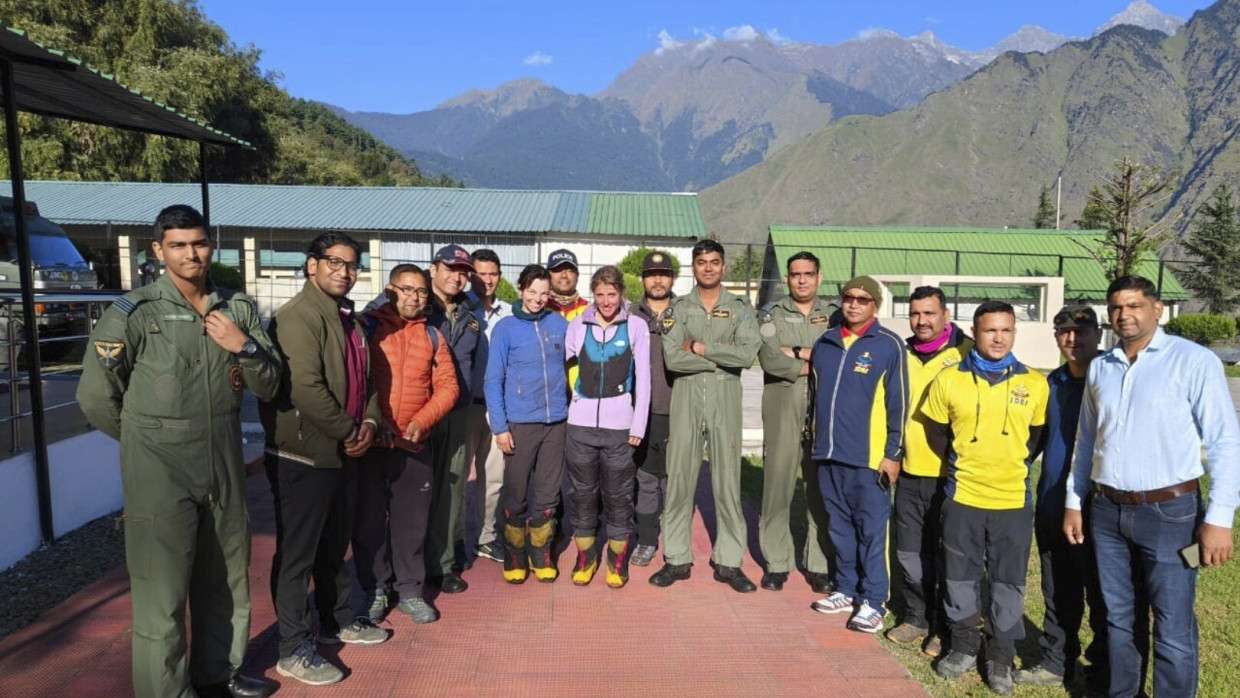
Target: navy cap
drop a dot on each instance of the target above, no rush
(454, 256)
(561, 257)
(657, 261)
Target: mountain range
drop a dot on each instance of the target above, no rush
(978, 152)
(691, 113)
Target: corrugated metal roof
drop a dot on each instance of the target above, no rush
(48, 82)
(421, 209)
(671, 215)
(982, 252)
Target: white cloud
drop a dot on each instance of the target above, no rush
(742, 33)
(537, 58)
(666, 42)
(705, 43)
(875, 32)
(774, 35)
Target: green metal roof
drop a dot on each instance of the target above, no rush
(420, 209)
(974, 252)
(48, 82)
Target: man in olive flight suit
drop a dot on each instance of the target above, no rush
(163, 375)
(711, 337)
(789, 328)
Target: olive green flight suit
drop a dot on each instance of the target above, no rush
(706, 406)
(153, 379)
(785, 452)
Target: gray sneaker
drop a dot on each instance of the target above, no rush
(308, 667)
(642, 555)
(418, 610)
(955, 664)
(999, 677)
(359, 632)
(376, 608)
(1038, 675)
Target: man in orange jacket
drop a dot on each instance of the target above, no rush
(415, 380)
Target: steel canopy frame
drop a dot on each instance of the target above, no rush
(44, 81)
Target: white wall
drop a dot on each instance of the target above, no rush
(86, 484)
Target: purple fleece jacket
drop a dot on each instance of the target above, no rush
(628, 411)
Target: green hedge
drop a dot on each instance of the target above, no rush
(1202, 328)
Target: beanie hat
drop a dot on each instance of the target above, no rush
(867, 284)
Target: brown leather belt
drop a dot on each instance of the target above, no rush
(1161, 494)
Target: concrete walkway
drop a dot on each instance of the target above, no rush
(695, 638)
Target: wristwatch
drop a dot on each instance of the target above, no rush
(248, 349)
(796, 353)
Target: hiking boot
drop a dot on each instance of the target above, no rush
(539, 548)
(933, 646)
(514, 551)
(587, 560)
(617, 562)
(491, 551)
(418, 610)
(669, 574)
(999, 677)
(1037, 675)
(308, 667)
(955, 664)
(907, 634)
(643, 555)
(376, 608)
(837, 602)
(360, 632)
(866, 619)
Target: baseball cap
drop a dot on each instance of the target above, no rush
(657, 261)
(454, 256)
(561, 257)
(1073, 316)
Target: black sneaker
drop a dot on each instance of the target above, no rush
(491, 551)
(955, 664)
(308, 667)
(999, 677)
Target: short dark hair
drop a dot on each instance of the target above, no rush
(486, 255)
(989, 307)
(178, 217)
(1132, 282)
(320, 244)
(406, 268)
(706, 247)
(802, 255)
(924, 292)
(530, 274)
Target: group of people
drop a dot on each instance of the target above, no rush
(592, 416)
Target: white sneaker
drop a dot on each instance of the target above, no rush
(867, 619)
(837, 602)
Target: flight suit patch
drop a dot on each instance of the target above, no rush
(864, 363)
(235, 379)
(109, 353)
(820, 320)
(473, 324)
(668, 320)
(794, 319)
(153, 328)
(179, 317)
(767, 329)
(721, 313)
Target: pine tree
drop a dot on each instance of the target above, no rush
(1125, 206)
(1093, 216)
(1215, 241)
(1045, 217)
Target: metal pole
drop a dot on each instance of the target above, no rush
(748, 269)
(42, 470)
(206, 195)
(1160, 277)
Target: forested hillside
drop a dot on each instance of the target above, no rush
(171, 52)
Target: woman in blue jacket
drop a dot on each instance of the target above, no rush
(527, 403)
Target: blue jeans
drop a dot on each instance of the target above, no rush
(1145, 540)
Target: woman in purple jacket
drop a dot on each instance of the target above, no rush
(606, 421)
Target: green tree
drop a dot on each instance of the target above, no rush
(747, 265)
(1093, 216)
(1045, 215)
(1126, 205)
(1215, 242)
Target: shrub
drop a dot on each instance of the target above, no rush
(506, 292)
(631, 267)
(227, 277)
(1202, 328)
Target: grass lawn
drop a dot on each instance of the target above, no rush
(1232, 371)
(1218, 613)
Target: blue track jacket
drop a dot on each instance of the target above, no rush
(525, 381)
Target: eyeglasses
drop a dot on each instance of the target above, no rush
(336, 264)
(420, 291)
(857, 300)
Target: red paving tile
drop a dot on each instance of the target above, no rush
(696, 637)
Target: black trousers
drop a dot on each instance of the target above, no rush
(918, 511)
(393, 510)
(651, 478)
(600, 460)
(314, 521)
(533, 472)
(996, 542)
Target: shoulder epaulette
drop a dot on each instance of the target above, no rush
(124, 304)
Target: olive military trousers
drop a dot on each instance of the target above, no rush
(785, 455)
(447, 443)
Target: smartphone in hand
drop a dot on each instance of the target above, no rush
(1191, 555)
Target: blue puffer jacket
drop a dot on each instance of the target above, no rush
(525, 380)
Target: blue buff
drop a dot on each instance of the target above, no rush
(987, 366)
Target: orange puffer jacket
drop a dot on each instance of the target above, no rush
(410, 388)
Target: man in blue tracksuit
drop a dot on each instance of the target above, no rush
(859, 399)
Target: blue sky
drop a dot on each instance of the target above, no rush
(400, 57)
